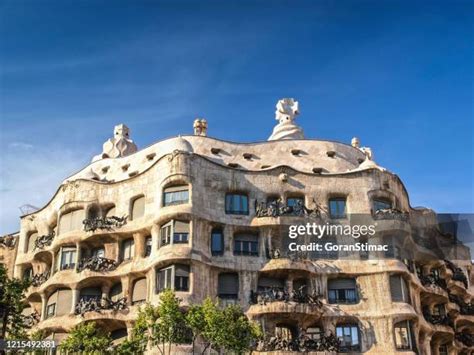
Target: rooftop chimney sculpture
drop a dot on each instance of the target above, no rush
(120, 145)
(286, 111)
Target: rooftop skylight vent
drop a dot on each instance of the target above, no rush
(215, 151)
(318, 170)
(247, 156)
(151, 156)
(296, 152)
(265, 166)
(233, 165)
(331, 153)
(105, 169)
(125, 167)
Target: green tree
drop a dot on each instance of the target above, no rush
(196, 322)
(12, 303)
(87, 338)
(170, 326)
(141, 332)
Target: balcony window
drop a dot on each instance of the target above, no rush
(295, 201)
(285, 332)
(139, 291)
(59, 303)
(380, 204)
(128, 249)
(91, 293)
(228, 286)
(138, 208)
(337, 208)
(50, 310)
(148, 246)
(217, 242)
(439, 310)
(175, 195)
(348, 336)
(266, 284)
(314, 333)
(28, 273)
(443, 349)
(403, 336)
(116, 292)
(72, 221)
(68, 258)
(342, 291)
(399, 289)
(175, 277)
(246, 245)
(179, 230)
(236, 204)
(98, 253)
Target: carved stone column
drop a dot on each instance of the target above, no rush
(75, 299)
(44, 301)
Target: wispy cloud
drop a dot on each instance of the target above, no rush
(30, 175)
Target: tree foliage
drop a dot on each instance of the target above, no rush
(223, 329)
(12, 304)
(87, 338)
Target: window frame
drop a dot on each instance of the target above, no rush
(131, 247)
(341, 295)
(351, 347)
(407, 326)
(218, 233)
(381, 202)
(338, 214)
(243, 203)
(173, 279)
(175, 202)
(241, 251)
(67, 251)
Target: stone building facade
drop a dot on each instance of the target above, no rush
(203, 216)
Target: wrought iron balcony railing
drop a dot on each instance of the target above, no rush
(104, 223)
(97, 263)
(438, 319)
(7, 241)
(303, 343)
(100, 304)
(281, 295)
(464, 307)
(458, 274)
(39, 279)
(465, 338)
(44, 241)
(391, 214)
(31, 319)
(277, 208)
(432, 280)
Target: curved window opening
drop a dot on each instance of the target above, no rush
(217, 242)
(175, 195)
(236, 203)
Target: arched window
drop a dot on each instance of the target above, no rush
(381, 204)
(119, 335)
(228, 285)
(138, 208)
(314, 332)
(348, 335)
(71, 221)
(59, 303)
(175, 277)
(148, 245)
(175, 195)
(139, 291)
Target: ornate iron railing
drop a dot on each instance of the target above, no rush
(465, 338)
(464, 307)
(458, 274)
(429, 280)
(301, 344)
(438, 319)
(276, 294)
(277, 208)
(391, 214)
(44, 241)
(100, 304)
(105, 223)
(97, 263)
(7, 241)
(31, 319)
(292, 255)
(39, 279)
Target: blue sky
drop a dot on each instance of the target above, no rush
(397, 74)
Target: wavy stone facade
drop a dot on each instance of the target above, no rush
(120, 230)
